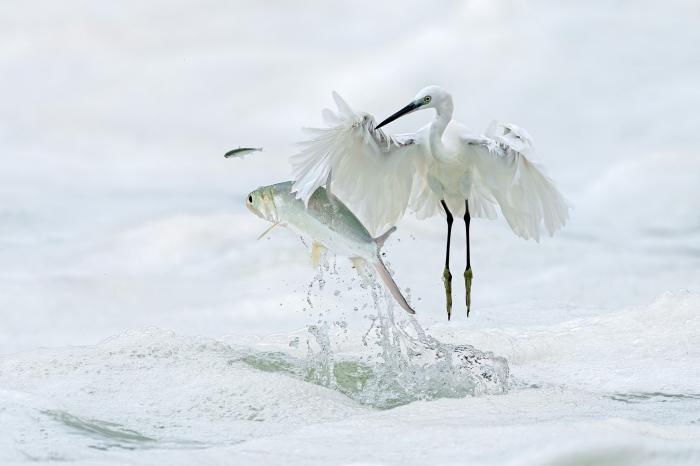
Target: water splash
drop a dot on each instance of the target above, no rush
(397, 361)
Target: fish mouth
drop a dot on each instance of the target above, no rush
(264, 206)
(254, 210)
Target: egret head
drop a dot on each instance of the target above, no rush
(428, 97)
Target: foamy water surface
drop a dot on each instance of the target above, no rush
(142, 323)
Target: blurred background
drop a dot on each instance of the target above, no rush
(118, 210)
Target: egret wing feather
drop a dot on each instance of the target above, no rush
(501, 170)
(373, 173)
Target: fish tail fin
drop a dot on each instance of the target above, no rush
(381, 239)
(391, 284)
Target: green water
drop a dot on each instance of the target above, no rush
(113, 435)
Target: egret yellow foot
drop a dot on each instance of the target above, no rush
(447, 280)
(468, 276)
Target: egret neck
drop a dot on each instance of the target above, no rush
(443, 116)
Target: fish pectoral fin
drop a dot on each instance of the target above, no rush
(316, 252)
(268, 230)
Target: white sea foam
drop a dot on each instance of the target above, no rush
(153, 394)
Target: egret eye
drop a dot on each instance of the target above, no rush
(250, 199)
(427, 99)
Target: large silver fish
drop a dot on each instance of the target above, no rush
(329, 223)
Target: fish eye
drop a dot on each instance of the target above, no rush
(427, 99)
(250, 198)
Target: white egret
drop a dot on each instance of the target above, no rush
(441, 167)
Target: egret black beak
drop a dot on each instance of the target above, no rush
(404, 111)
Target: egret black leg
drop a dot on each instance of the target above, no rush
(468, 271)
(446, 275)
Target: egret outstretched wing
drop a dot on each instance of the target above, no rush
(372, 172)
(527, 198)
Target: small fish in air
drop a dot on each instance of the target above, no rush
(241, 151)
